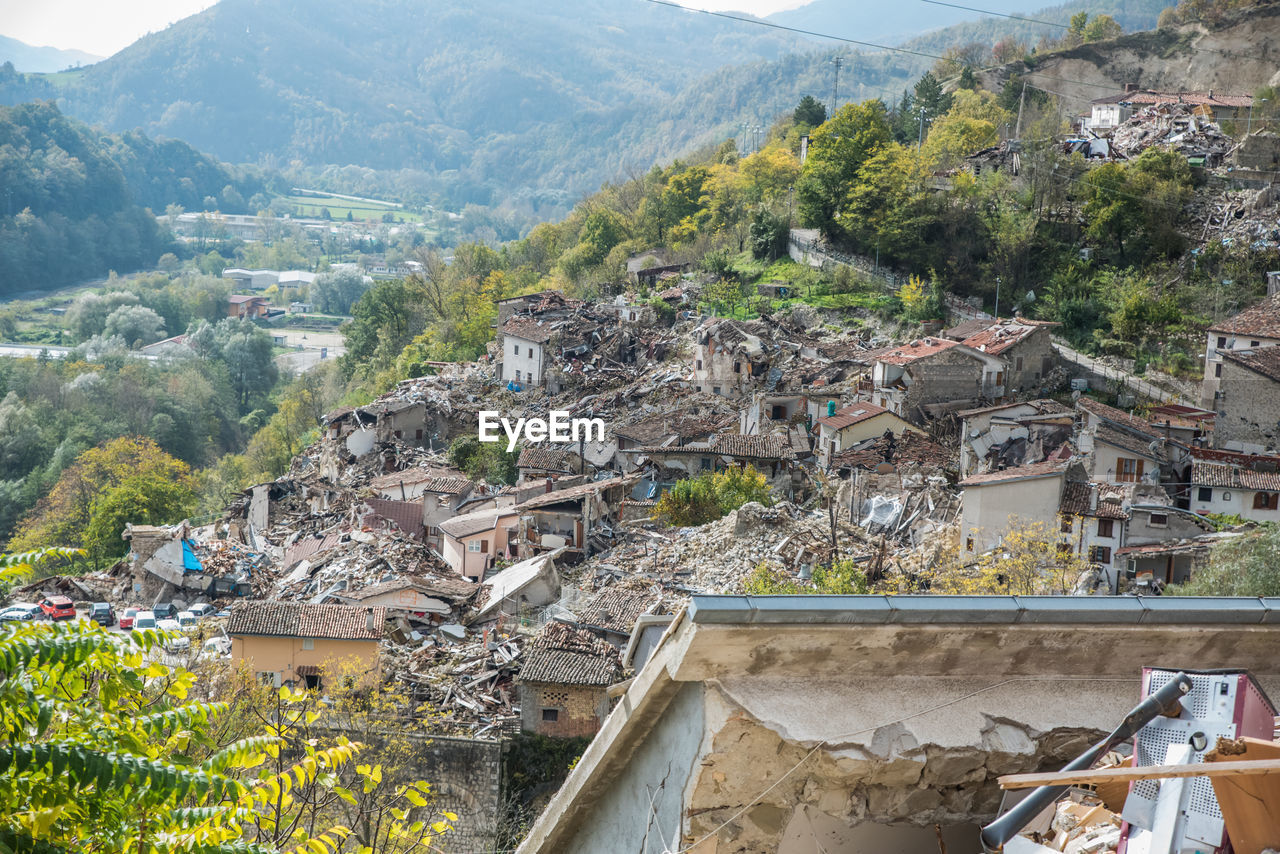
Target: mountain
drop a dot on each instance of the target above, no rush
(74, 202)
(27, 57)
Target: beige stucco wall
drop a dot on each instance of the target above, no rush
(1106, 464)
(834, 441)
(989, 511)
(472, 564)
(264, 654)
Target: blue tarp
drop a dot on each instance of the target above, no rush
(190, 563)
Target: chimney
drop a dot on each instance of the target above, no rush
(548, 484)
(368, 619)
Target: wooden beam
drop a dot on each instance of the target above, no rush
(1127, 774)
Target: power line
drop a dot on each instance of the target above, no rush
(997, 14)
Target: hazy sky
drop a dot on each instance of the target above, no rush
(105, 26)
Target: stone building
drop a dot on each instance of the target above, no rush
(1027, 347)
(731, 357)
(564, 682)
(1249, 401)
(1255, 328)
(856, 423)
(930, 375)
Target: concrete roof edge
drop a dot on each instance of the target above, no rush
(1007, 610)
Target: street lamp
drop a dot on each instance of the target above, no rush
(791, 195)
(997, 299)
(1249, 129)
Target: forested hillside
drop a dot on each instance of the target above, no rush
(74, 202)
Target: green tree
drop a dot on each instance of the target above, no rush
(712, 495)
(837, 152)
(136, 324)
(336, 292)
(809, 112)
(247, 352)
(841, 578)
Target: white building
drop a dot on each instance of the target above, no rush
(1225, 488)
(524, 343)
(1254, 328)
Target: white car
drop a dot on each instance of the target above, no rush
(144, 620)
(203, 610)
(22, 611)
(178, 641)
(218, 647)
(187, 620)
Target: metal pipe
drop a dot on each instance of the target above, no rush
(1162, 702)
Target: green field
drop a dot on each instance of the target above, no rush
(311, 206)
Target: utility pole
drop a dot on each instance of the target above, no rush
(835, 85)
(997, 299)
(1017, 133)
(920, 139)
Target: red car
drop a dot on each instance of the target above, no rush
(126, 619)
(58, 608)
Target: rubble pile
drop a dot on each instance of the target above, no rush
(1239, 216)
(1081, 824)
(1180, 127)
(468, 679)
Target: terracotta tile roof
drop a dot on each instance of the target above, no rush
(1262, 320)
(563, 655)
(305, 547)
(1264, 362)
(1117, 416)
(406, 514)
(1077, 500)
(616, 609)
(1231, 477)
(1045, 469)
(654, 428)
(478, 522)
(548, 459)
(916, 350)
(850, 415)
(911, 447)
(304, 620)
(998, 337)
(528, 329)
(436, 480)
(770, 447)
(961, 331)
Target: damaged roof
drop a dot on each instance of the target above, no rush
(1262, 320)
(573, 493)
(444, 588)
(616, 609)
(998, 337)
(563, 655)
(434, 480)
(916, 350)
(1048, 468)
(549, 459)
(478, 522)
(910, 447)
(1077, 500)
(1197, 99)
(1117, 416)
(304, 620)
(528, 329)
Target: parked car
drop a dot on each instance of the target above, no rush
(126, 619)
(216, 647)
(165, 611)
(186, 620)
(102, 613)
(58, 608)
(177, 641)
(23, 611)
(144, 620)
(203, 610)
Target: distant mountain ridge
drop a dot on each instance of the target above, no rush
(35, 59)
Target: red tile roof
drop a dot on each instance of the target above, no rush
(528, 329)
(304, 620)
(1077, 500)
(406, 514)
(850, 415)
(1047, 468)
(616, 609)
(1262, 320)
(910, 447)
(998, 337)
(435, 480)
(923, 348)
(548, 459)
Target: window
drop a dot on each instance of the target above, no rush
(1064, 548)
(1204, 493)
(1105, 527)
(1129, 470)
(631, 315)
(1222, 340)
(1266, 501)
(1017, 365)
(1159, 520)
(1067, 522)
(968, 543)
(1217, 370)
(418, 433)
(698, 364)
(715, 389)
(484, 547)
(551, 715)
(474, 546)
(706, 463)
(515, 351)
(737, 367)
(1100, 554)
(778, 413)
(308, 643)
(1253, 343)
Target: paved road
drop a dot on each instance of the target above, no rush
(1133, 383)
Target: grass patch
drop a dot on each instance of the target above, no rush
(311, 206)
